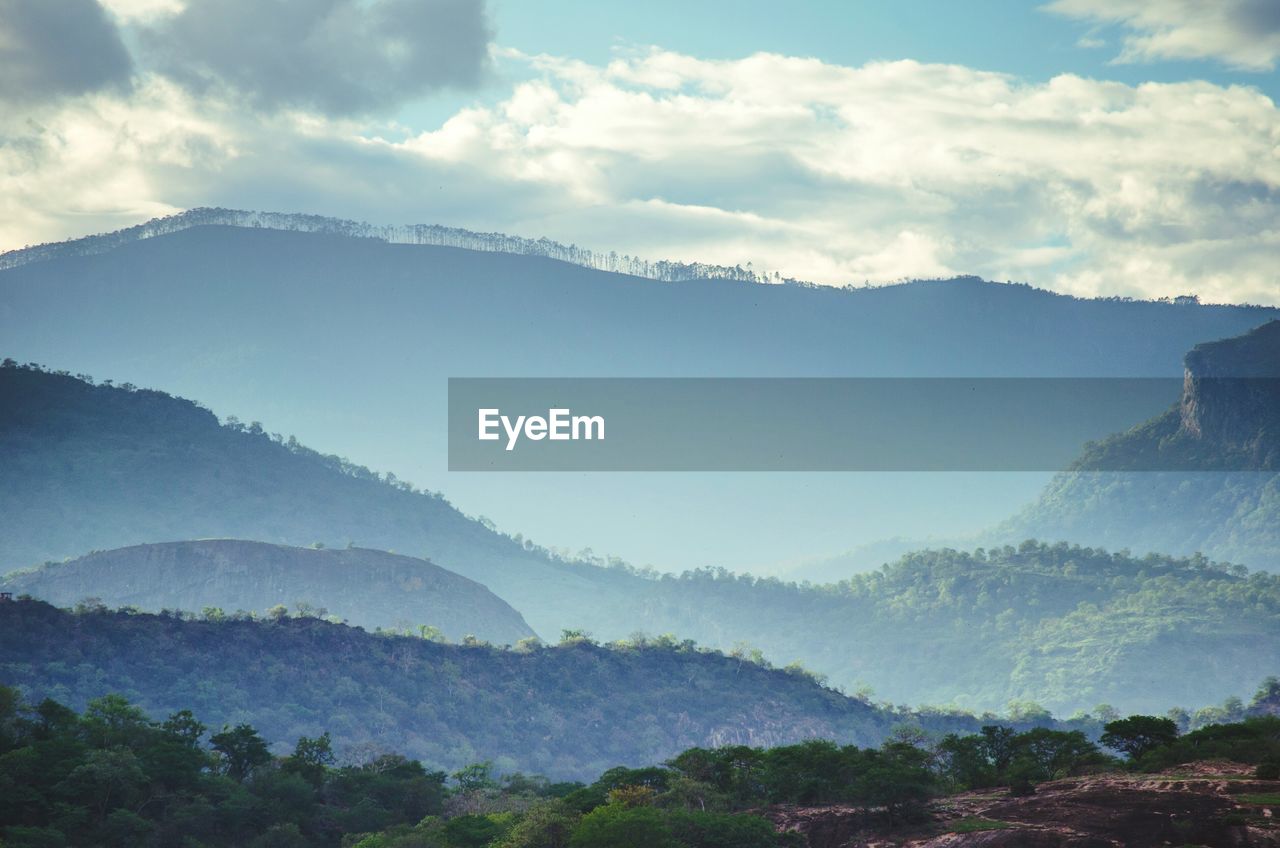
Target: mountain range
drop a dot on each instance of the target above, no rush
(95, 466)
(330, 332)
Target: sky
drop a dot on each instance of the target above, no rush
(1096, 147)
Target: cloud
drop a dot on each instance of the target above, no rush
(107, 161)
(340, 57)
(1244, 34)
(824, 172)
(55, 48)
(895, 169)
(133, 10)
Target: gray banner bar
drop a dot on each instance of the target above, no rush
(803, 424)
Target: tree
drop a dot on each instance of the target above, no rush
(614, 826)
(546, 825)
(111, 720)
(722, 830)
(475, 777)
(312, 758)
(966, 761)
(1054, 752)
(184, 726)
(241, 749)
(1138, 734)
(998, 744)
(471, 831)
(897, 778)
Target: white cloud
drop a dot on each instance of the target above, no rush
(895, 169)
(107, 161)
(1244, 34)
(822, 172)
(142, 10)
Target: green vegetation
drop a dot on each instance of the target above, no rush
(1261, 798)
(1070, 627)
(569, 710)
(1253, 740)
(113, 777)
(1136, 736)
(1065, 626)
(1000, 756)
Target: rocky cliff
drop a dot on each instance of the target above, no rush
(1231, 394)
(1200, 478)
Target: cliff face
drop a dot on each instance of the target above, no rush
(366, 587)
(1231, 390)
(1208, 478)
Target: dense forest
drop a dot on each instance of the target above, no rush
(96, 466)
(568, 709)
(1067, 626)
(112, 776)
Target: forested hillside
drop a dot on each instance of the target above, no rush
(364, 587)
(1071, 627)
(1202, 477)
(570, 710)
(98, 467)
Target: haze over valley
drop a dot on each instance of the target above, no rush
(588, 424)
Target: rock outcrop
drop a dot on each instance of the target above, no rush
(1214, 805)
(1231, 392)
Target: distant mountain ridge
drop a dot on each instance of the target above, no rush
(347, 341)
(419, 234)
(436, 235)
(366, 587)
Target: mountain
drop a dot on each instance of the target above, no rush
(569, 711)
(1201, 477)
(94, 466)
(863, 558)
(1065, 626)
(365, 587)
(344, 336)
(98, 467)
